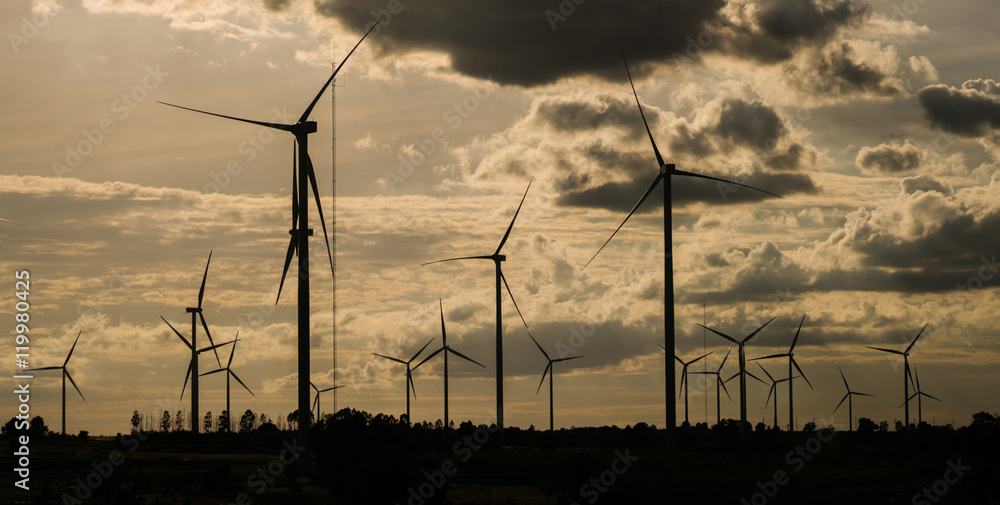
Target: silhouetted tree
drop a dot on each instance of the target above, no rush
(263, 419)
(809, 427)
(760, 428)
(179, 420)
(10, 427)
(985, 420)
(136, 419)
(165, 421)
(207, 422)
(866, 425)
(37, 426)
(899, 426)
(224, 421)
(248, 421)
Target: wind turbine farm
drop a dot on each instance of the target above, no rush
(834, 159)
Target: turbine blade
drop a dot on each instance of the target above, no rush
(204, 325)
(915, 338)
(845, 379)
(397, 360)
(929, 396)
(755, 332)
(276, 126)
(765, 372)
(885, 350)
(295, 184)
(634, 208)
(803, 374)
(841, 402)
(313, 386)
(567, 359)
(459, 259)
(331, 389)
(769, 391)
(755, 377)
(444, 335)
(11, 222)
(659, 159)
(217, 370)
(418, 352)
(232, 352)
(700, 176)
(723, 384)
(723, 335)
(72, 348)
(178, 334)
(504, 279)
(435, 353)
(511, 226)
(315, 403)
(186, 377)
(861, 394)
(698, 358)
(460, 355)
(796, 338)
(44, 368)
(201, 292)
(679, 360)
(724, 359)
(73, 382)
(241, 382)
(305, 115)
(292, 247)
(216, 346)
(319, 208)
(539, 347)
(735, 375)
(547, 367)
(684, 374)
(771, 356)
(409, 380)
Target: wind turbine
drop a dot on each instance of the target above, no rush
(774, 389)
(409, 377)
(315, 405)
(719, 383)
(743, 366)
(196, 314)
(684, 381)
(65, 375)
(791, 361)
(303, 176)
(552, 426)
(665, 171)
(850, 403)
(230, 373)
(444, 348)
(918, 395)
(906, 370)
(496, 258)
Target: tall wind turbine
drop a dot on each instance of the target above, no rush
(918, 395)
(409, 376)
(743, 366)
(684, 381)
(230, 373)
(303, 176)
(315, 405)
(497, 258)
(719, 383)
(65, 375)
(791, 361)
(196, 314)
(774, 390)
(665, 171)
(552, 425)
(850, 403)
(444, 348)
(906, 371)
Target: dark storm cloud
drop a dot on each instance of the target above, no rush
(972, 111)
(750, 124)
(781, 26)
(842, 71)
(888, 159)
(925, 182)
(568, 115)
(277, 5)
(527, 42)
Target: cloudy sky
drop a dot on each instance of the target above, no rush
(878, 122)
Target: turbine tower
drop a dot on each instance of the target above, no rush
(665, 172)
(497, 258)
(552, 424)
(65, 375)
(445, 349)
(906, 371)
(743, 367)
(409, 376)
(791, 361)
(303, 176)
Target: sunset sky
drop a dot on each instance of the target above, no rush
(878, 122)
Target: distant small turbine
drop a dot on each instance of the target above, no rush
(409, 377)
(719, 383)
(444, 348)
(918, 395)
(315, 406)
(850, 403)
(906, 371)
(551, 375)
(230, 373)
(65, 375)
(743, 366)
(791, 361)
(684, 381)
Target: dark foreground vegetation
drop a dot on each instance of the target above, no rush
(356, 458)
